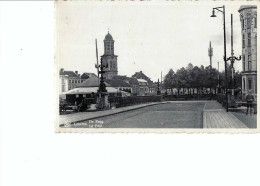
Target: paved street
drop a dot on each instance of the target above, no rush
(176, 114)
(169, 115)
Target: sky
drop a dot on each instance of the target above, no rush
(152, 37)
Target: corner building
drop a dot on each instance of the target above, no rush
(109, 58)
(248, 19)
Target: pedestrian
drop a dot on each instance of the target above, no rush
(249, 102)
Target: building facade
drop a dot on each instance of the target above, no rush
(109, 58)
(143, 87)
(141, 75)
(248, 19)
(64, 83)
(74, 78)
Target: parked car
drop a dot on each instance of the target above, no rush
(63, 105)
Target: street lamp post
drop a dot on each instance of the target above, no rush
(232, 58)
(102, 85)
(102, 102)
(225, 55)
(158, 90)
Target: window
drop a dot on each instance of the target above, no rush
(72, 81)
(249, 65)
(249, 39)
(243, 23)
(243, 41)
(244, 84)
(248, 21)
(244, 63)
(69, 81)
(249, 57)
(249, 84)
(63, 88)
(62, 80)
(255, 22)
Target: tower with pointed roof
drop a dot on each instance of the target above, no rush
(248, 19)
(109, 58)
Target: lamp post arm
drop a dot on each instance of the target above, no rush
(238, 58)
(218, 9)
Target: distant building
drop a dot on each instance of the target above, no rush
(248, 19)
(135, 86)
(141, 75)
(87, 75)
(153, 88)
(143, 87)
(74, 78)
(109, 58)
(64, 83)
(131, 81)
(120, 85)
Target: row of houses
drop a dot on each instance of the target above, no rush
(139, 84)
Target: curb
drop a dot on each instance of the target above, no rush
(110, 114)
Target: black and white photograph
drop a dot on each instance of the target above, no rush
(129, 93)
(156, 66)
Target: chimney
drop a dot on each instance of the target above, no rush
(76, 72)
(61, 70)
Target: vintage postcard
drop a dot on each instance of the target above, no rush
(156, 66)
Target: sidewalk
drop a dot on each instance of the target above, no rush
(249, 121)
(82, 116)
(215, 116)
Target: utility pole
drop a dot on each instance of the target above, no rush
(158, 90)
(218, 74)
(232, 54)
(161, 80)
(97, 65)
(210, 54)
(210, 63)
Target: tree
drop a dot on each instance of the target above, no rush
(169, 80)
(189, 79)
(237, 78)
(195, 78)
(182, 78)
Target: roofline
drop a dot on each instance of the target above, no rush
(248, 7)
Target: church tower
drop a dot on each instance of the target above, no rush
(109, 58)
